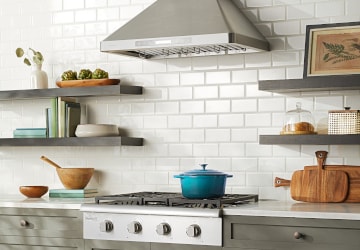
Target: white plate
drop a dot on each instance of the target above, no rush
(96, 130)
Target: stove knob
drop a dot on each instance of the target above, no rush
(163, 229)
(134, 227)
(106, 226)
(193, 231)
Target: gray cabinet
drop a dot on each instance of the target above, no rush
(265, 233)
(40, 229)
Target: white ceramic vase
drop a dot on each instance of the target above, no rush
(39, 78)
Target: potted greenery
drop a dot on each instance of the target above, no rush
(39, 79)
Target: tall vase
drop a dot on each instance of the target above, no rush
(39, 79)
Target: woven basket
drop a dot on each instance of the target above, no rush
(344, 122)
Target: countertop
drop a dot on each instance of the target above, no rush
(44, 202)
(345, 211)
(271, 208)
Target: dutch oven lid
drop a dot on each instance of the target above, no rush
(203, 171)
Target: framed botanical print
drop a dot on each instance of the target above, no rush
(332, 49)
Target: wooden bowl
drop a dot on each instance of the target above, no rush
(33, 191)
(75, 178)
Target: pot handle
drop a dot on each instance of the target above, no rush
(178, 176)
(229, 175)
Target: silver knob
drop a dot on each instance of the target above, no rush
(106, 226)
(193, 230)
(24, 223)
(134, 227)
(163, 229)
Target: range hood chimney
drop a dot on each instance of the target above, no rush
(176, 28)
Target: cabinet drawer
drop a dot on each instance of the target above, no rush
(267, 232)
(39, 243)
(41, 222)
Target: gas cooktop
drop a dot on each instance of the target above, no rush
(174, 200)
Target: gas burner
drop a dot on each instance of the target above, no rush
(174, 200)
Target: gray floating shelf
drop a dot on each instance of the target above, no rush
(108, 90)
(353, 139)
(315, 83)
(73, 141)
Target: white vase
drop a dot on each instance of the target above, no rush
(39, 79)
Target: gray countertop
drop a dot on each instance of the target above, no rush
(345, 211)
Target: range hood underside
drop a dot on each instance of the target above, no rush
(170, 47)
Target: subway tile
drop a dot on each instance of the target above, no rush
(235, 61)
(333, 8)
(95, 3)
(300, 11)
(155, 122)
(167, 79)
(205, 121)
(206, 150)
(107, 13)
(168, 135)
(192, 78)
(179, 65)
(244, 76)
(271, 104)
(259, 179)
(244, 105)
(167, 108)
(181, 150)
(287, 28)
(192, 107)
(243, 164)
(257, 60)
(130, 11)
(217, 106)
(257, 120)
(85, 15)
(272, 14)
(258, 3)
(234, 149)
(204, 63)
(180, 121)
(244, 135)
(231, 120)
(295, 42)
(285, 58)
(271, 164)
(217, 135)
(232, 91)
(70, 4)
(217, 77)
(63, 17)
(271, 74)
(192, 135)
(206, 92)
(180, 93)
(73, 30)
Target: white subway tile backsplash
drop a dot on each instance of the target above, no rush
(192, 110)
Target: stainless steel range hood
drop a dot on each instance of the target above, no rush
(173, 28)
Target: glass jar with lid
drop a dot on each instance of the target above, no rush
(298, 121)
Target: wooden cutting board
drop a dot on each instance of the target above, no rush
(353, 173)
(319, 185)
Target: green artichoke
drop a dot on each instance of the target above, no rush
(85, 74)
(99, 74)
(69, 75)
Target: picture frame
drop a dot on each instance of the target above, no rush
(332, 49)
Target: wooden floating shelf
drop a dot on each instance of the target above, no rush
(73, 141)
(353, 139)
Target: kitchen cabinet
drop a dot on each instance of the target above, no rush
(109, 90)
(316, 83)
(265, 233)
(40, 229)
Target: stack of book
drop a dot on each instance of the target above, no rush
(63, 117)
(73, 193)
(30, 133)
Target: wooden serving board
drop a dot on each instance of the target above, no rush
(353, 173)
(87, 83)
(318, 184)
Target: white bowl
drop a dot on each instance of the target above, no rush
(94, 130)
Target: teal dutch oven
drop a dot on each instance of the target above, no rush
(203, 183)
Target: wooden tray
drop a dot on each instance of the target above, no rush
(87, 83)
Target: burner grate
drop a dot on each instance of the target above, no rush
(175, 200)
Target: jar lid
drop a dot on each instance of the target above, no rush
(203, 171)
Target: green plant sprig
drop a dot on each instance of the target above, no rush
(37, 57)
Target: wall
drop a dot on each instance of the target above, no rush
(194, 110)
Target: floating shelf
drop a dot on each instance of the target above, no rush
(73, 141)
(315, 83)
(109, 90)
(353, 139)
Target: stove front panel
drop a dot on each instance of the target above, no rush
(153, 228)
